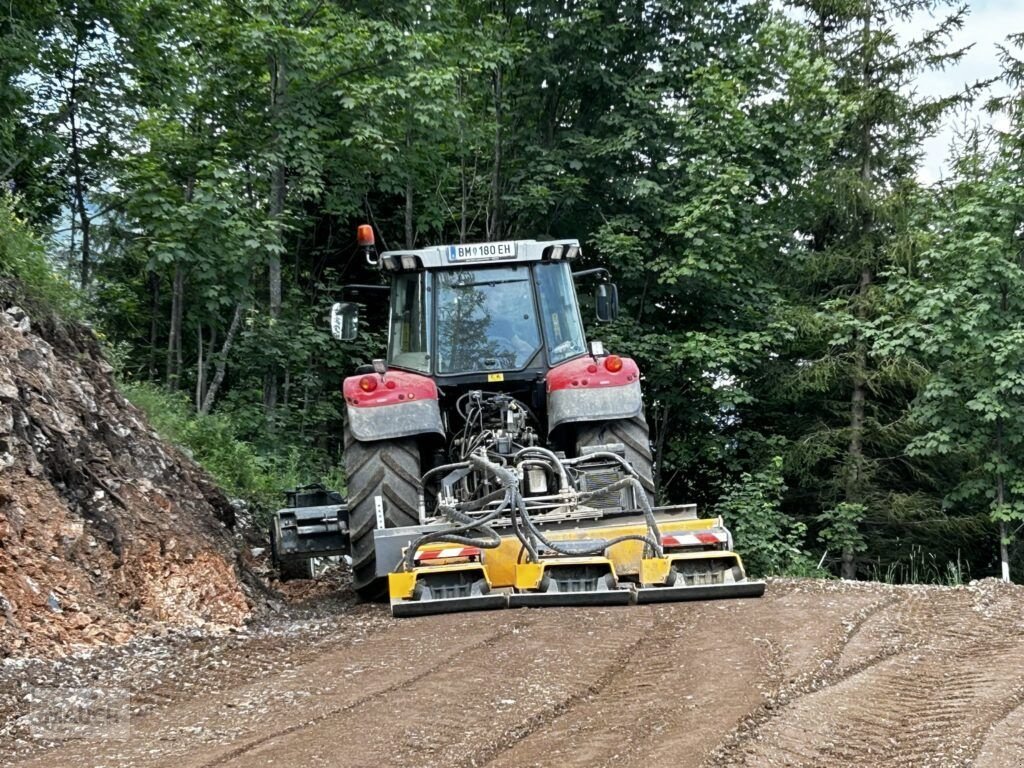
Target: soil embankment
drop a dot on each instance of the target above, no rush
(106, 531)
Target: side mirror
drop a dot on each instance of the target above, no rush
(345, 321)
(606, 299)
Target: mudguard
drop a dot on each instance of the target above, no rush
(400, 404)
(586, 390)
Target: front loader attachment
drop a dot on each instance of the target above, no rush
(696, 564)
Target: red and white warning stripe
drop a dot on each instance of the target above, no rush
(447, 552)
(702, 539)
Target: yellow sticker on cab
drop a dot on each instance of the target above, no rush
(492, 377)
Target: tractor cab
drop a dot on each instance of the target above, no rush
(484, 319)
(470, 312)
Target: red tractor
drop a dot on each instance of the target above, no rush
(495, 458)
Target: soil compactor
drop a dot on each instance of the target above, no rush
(495, 458)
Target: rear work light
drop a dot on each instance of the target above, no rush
(613, 363)
(368, 383)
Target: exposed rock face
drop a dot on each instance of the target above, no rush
(105, 530)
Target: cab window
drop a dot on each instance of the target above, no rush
(559, 312)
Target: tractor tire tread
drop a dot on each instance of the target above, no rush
(389, 469)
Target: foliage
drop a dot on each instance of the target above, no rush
(920, 567)
(839, 528)
(965, 294)
(23, 258)
(771, 542)
(745, 169)
(257, 477)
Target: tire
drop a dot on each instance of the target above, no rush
(296, 569)
(389, 469)
(633, 434)
(291, 569)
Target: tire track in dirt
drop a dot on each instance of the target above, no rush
(465, 712)
(940, 676)
(821, 670)
(399, 685)
(1003, 745)
(813, 674)
(587, 748)
(209, 730)
(702, 669)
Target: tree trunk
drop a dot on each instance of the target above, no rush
(410, 234)
(855, 450)
(83, 223)
(495, 223)
(154, 312)
(1004, 549)
(1004, 552)
(855, 480)
(464, 208)
(172, 372)
(278, 188)
(222, 362)
(661, 422)
(200, 366)
(78, 172)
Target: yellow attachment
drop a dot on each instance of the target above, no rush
(714, 554)
(654, 570)
(530, 575)
(402, 584)
(626, 556)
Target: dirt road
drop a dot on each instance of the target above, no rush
(813, 674)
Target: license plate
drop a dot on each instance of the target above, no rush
(482, 251)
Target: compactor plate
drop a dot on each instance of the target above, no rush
(701, 592)
(568, 581)
(448, 588)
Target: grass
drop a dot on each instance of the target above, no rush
(922, 567)
(257, 476)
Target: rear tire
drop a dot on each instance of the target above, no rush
(632, 433)
(389, 469)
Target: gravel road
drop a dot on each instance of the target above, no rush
(815, 673)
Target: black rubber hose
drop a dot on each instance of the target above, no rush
(454, 534)
(465, 523)
(597, 549)
(510, 483)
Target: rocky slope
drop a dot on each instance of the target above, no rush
(106, 532)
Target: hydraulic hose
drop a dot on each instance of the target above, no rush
(454, 534)
(514, 502)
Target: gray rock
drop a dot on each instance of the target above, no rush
(17, 318)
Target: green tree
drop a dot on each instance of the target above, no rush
(843, 401)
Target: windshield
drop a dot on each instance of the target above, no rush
(559, 311)
(407, 341)
(486, 320)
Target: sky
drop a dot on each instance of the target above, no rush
(986, 26)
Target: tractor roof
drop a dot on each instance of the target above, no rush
(467, 254)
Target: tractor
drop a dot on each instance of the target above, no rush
(495, 457)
